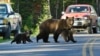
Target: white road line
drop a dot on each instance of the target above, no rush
(31, 50)
(86, 34)
(88, 46)
(91, 47)
(85, 47)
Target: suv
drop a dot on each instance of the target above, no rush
(9, 20)
(85, 17)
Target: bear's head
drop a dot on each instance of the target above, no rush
(69, 22)
(28, 32)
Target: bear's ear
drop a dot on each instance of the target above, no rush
(30, 32)
(72, 17)
(66, 17)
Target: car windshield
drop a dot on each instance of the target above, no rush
(3, 9)
(76, 9)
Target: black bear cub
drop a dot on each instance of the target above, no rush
(22, 37)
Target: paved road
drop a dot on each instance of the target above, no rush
(87, 45)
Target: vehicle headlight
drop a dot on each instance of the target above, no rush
(63, 17)
(85, 17)
(5, 21)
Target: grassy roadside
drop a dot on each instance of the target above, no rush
(1, 39)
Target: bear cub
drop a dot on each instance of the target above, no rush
(22, 37)
(68, 35)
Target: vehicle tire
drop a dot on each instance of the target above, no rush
(89, 30)
(94, 30)
(7, 33)
(18, 30)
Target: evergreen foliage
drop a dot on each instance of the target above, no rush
(36, 11)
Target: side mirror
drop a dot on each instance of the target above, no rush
(11, 13)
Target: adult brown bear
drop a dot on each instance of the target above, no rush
(54, 26)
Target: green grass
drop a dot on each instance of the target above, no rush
(1, 39)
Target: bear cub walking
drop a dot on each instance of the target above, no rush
(22, 37)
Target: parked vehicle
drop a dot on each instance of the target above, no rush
(98, 23)
(85, 17)
(10, 22)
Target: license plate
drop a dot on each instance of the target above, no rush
(79, 23)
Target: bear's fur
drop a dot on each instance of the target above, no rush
(54, 26)
(22, 37)
(68, 35)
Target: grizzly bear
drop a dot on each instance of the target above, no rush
(22, 37)
(68, 35)
(54, 26)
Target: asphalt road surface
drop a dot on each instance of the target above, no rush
(87, 45)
